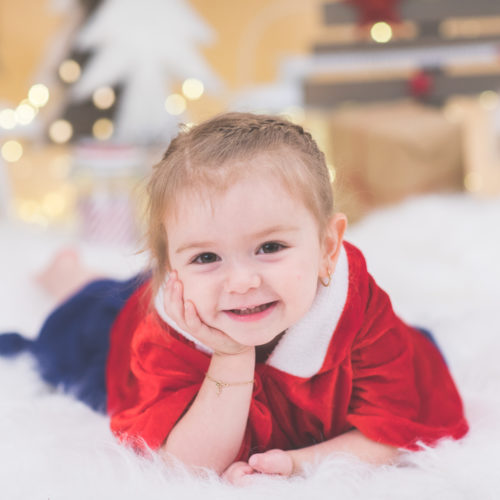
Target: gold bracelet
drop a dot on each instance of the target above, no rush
(221, 385)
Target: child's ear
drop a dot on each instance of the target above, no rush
(332, 243)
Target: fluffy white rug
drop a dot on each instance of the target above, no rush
(437, 256)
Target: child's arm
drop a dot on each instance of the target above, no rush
(287, 463)
(352, 442)
(211, 431)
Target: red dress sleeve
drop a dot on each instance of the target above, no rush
(153, 376)
(402, 392)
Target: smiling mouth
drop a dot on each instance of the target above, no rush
(252, 310)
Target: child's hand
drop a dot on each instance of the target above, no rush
(238, 473)
(272, 462)
(184, 313)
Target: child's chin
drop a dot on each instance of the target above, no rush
(263, 342)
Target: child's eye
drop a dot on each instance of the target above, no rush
(271, 247)
(205, 258)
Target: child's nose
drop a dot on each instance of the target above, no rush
(240, 279)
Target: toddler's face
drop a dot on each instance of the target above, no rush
(249, 259)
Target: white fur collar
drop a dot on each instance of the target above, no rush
(302, 350)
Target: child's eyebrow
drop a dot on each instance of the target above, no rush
(275, 229)
(261, 234)
(195, 244)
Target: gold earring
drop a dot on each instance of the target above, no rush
(326, 282)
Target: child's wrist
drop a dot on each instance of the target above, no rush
(235, 367)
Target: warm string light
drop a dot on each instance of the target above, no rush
(193, 89)
(69, 71)
(381, 32)
(103, 97)
(60, 131)
(30, 211)
(8, 119)
(102, 129)
(54, 204)
(175, 104)
(26, 111)
(12, 151)
(39, 95)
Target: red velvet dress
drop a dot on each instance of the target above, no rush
(351, 362)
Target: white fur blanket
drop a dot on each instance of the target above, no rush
(439, 259)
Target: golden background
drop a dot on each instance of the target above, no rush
(251, 37)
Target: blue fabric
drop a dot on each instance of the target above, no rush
(13, 343)
(72, 347)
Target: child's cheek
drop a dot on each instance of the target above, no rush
(194, 292)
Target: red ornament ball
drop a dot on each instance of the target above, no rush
(421, 84)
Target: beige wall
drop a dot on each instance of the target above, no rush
(252, 35)
(26, 27)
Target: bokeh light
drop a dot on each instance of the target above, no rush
(103, 129)
(60, 131)
(192, 88)
(175, 104)
(8, 119)
(39, 95)
(12, 151)
(381, 32)
(30, 211)
(69, 71)
(25, 113)
(103, 97)
(54, 204)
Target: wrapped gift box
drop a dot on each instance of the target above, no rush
(385, 152)
(108, 176)
(479, 118)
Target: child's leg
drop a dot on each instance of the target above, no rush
(72, 346)
(65, 274)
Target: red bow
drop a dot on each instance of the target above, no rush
(371, 11)
(421, 84)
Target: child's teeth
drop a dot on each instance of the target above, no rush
(251, 310)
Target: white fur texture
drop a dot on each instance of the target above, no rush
(437, 256)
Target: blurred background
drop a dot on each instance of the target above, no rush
(401, 95)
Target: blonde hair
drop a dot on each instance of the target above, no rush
(210, 157)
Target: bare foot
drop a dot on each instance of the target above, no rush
(65, 274)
